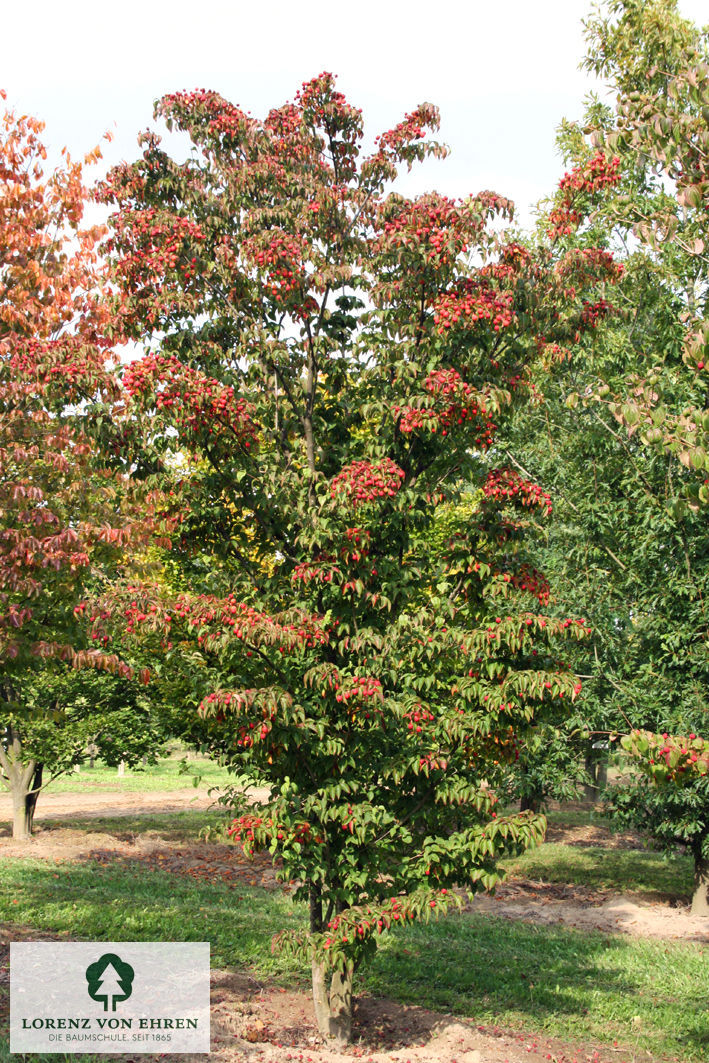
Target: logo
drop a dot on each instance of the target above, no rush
(138, 997)
(110, 980)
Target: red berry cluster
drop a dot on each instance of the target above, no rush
(194, 401)
(681, 754)
(508, 484)
(396, 910)
(417, 717)
(472, 301)
(155, 243)
(247, 829)
(448, 385)
(282, 259)
(530, 579)
(358, 688)
(433, 221)
(216, 618)
(357, 547)
(365, 481)
(319, 95)
(404, 142)
(412, 127)
(592, 313)
(513, 258)
(596, 173)
(588, 264)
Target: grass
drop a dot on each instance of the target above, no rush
(562, 982)
(623, 870)
(171, 773)
(554, 980)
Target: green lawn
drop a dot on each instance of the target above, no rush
(171, 773)
(624, 870)
(568, 984)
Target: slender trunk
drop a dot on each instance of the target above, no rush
(530, 804)
(700, 898)
(24, 801)
(602, 775)
(333, 1002)
(332, 990)
(590, 789)
(121, 768)
(24, 780)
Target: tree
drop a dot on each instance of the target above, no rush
(63, 515)
(60, 717)
(668, 798)
(660, 127)
(623, 418)
(327, 366)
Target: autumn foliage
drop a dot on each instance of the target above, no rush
(65, 516)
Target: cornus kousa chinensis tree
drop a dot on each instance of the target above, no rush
(62, 517)
(327, 368)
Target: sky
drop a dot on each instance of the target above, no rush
(503, 72)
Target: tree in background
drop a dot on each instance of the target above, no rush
(328, 367)
(623, 419)
(64, 517)
(668, 798)
(62, 718)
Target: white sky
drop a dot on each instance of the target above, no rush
(503, 72)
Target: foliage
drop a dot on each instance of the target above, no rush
(548, 768)
(63, 713)
(58, 513)
(327, 365)
(661, 129)
(672, 815)
(627, 545)
(64, 517)
(669, 798)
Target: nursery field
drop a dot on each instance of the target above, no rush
(586, 953)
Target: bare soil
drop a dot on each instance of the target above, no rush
(90, 803)
(259, 1023)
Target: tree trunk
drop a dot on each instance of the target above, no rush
(596, 768)
(121, 768)
(24, 801)
(602, 775)
(332, 990)
(530, 804)
(700, 898)
(24, 780)
(333, 1002)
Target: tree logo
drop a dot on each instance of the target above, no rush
(110, 980)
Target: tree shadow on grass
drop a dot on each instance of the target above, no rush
(577, 983)
(126, 901)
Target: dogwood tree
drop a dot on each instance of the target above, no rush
(327, 366)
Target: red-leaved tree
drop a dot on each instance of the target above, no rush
(63, 516)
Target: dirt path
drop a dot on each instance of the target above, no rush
(90, 803)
